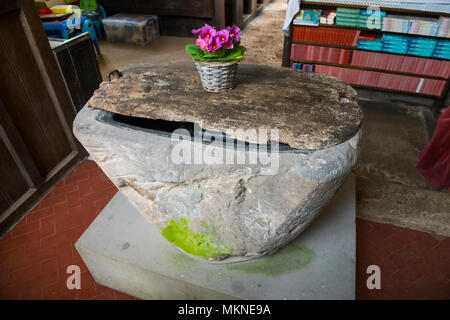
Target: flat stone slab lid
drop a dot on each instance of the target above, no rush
(311, 110)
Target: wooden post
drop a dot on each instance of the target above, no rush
(251, 6)
(218, 13)
(287, 47)
(237, 12)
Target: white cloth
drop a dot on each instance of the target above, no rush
(292, 8)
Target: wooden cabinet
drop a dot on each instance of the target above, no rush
(79, 66)
(199, 8)
(179, 17)
(36, 112)
(176, 17)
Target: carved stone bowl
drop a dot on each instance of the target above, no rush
(159, 138)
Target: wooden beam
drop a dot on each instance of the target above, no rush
(218, 13)
(237, 12)
(252, 4)
(8, 6)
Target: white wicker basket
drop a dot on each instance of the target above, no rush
(217, 76)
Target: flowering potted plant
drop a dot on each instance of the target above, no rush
(216, 54)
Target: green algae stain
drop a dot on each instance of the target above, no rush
(197, 244)
(288, 260)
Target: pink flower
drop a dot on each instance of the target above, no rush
(211, 40)
(216, 44)
(197, 32)
(223, 35)
(235, 33)
(202, 43)
(229, 44)
(206, 33)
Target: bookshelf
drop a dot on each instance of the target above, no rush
(332, 49)
(367, 68)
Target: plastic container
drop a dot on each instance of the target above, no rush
(88, 5)
(131, 28)
(61, 9)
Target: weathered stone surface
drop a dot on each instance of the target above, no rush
(311, 111)
(223, 212)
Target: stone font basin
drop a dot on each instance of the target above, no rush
(291, 139)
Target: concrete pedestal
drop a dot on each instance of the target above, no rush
(125, 252)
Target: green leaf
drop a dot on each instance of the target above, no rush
(234, 58)
(210, 55)
(215, 54)
(236, 53)
(194, 50)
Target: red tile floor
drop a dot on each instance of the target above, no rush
(35, 254)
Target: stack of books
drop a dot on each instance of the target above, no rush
(396, 23)
(374, 45)
(444, 27)
(358, 18)
(417, 46)
(424, 26)
(308, 18)
(371, 19)
(398, 63)
(394, 43)
(318, 53)
(328, 17)
(304, 67)
(442, 49)
(421, 46)
(344, 37)
(385, 80)
(417, 25)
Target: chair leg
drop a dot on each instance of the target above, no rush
(97, 46)
(98, 30)
(64, 33)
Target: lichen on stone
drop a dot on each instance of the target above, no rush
(197, 244)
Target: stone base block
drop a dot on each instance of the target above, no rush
(124, 252)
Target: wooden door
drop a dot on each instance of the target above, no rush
(37, 146)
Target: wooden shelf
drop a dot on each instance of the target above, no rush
(378, 31)
(350, 66)
(331, 45)
(396, 10)
(395, 91)
(360, 49)
(287, 59)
